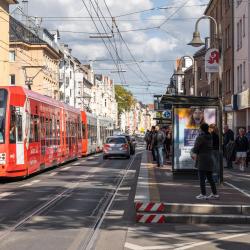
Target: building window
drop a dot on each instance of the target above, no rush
(244, 72)
(199, 73)
(12, 79)
(238, 36)
(105, 102)
(12, 56)
(238, 2)
(67, 82)
(244, 26)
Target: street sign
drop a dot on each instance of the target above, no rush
(212, 61)
(167, 114)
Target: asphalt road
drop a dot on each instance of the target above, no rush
(58, 209)
(70, 208)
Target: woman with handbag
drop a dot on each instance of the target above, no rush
(202, 151)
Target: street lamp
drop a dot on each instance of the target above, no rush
(197, 42)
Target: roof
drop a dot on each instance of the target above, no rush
(19, 33)
(188, 69)
(200, 52)
(208, 6)
(12, 1)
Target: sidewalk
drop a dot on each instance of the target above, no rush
(164, 197)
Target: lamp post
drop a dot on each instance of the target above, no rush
(197, 42)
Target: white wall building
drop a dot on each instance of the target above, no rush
(103, 101)
(241, 64)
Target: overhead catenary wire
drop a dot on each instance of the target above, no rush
(132, 56)
(85, 5)
(111, 42)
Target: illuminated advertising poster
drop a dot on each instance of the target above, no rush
(186, 128)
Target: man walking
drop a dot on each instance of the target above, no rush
(158, 142)
(151, 137)
(228, 136)
(203, 149)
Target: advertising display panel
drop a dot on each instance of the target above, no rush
(187, 121)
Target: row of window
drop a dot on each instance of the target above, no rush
(241, 31)
(44, 129)
(241, 76)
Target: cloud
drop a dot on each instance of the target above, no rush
(145, 45)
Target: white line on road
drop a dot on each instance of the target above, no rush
(53, 173)
(161, 247)
(66, 168)
(30, 184)
(238, 189)
(211, 241)
(5, 194)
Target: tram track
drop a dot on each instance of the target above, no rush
(53, 200)
(89, 241)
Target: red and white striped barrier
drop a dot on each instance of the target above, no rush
(150, 218)
(149, 207)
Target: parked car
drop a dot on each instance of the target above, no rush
(132, 143)
(116, 146)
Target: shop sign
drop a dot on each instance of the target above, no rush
(243, 100)
(212, 61)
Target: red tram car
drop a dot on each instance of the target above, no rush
(36, 132)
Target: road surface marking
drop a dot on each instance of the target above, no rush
(2, 195)
(180, 235)
(162, 247)
(65, 168)
(30, 184)
(52, 174)
(238, 189)
(212, 241)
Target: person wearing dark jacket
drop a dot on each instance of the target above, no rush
(203, 149)
(228, 136)
(216, 151)
(152, 147)
(158, 142)
(241, 148)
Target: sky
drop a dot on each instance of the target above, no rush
(151, 38)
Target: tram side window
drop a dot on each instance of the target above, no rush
(36, 128)
(31, 137)
(58, 132)
(50, 132)
(13, 125)
(47, 131)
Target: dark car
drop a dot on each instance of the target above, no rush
(132, 143)
(116, 146)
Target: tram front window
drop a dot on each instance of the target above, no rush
(3, 102)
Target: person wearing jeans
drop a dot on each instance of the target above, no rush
(159, 156)
(158, 145)
(203, 149)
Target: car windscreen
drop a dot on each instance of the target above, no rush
(116, 140)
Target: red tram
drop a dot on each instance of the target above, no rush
(36, 132)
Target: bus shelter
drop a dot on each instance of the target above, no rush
(188, 113)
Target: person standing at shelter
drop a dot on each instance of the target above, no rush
(216, 151)
(152, 146)
(147, 140)
(241, 148)
(202, 150)
(158, 142)
(228, 136)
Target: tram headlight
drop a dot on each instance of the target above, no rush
(2, 158)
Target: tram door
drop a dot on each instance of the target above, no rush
(17, 120)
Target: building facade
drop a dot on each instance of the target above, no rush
(241, 68)
(33, 62)
(223, 12)
(4, 41)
